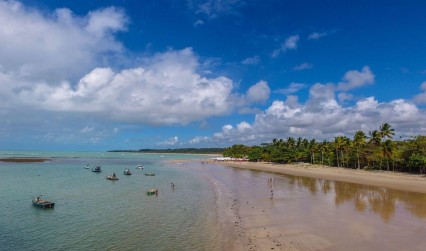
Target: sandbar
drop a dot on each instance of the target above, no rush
(24, 160)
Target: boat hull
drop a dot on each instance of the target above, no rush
(43, 204)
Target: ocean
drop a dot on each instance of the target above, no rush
(92, 213)
(211, 207)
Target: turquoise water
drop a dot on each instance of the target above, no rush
(92, 213)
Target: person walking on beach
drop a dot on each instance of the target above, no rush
(173, 185)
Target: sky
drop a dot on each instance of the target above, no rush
(98, 75)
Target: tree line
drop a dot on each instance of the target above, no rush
(375, 151)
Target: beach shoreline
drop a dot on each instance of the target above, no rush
(262, 223)
(392, 180)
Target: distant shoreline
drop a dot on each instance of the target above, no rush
(393, 180)
(176, 151)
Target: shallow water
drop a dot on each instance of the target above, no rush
(92, 213)
(315, 214)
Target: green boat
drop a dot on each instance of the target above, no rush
(39, 202)
(152, 192)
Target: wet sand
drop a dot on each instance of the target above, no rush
(24, 160)
(299, 214)
(394, 180)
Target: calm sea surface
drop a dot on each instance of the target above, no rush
(92, 213)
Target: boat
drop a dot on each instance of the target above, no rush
(112, 177)
(97, 169)
(149, 174)
(127, 172)
(152, 191)
(39, 202)
(87, 166)
(139, 167)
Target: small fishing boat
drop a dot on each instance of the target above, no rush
(127, 172)
(152, 191)
(87, 166)
(139, 167)
(39, 202)
(149, 174)
(97, 169)
(112, 177)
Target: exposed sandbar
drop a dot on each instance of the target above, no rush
(24, 160)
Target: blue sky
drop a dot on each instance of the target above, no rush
(101, 75)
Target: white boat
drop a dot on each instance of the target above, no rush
(87, 166)
(112, 177)
(139, 167)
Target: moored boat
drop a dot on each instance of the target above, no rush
(150, 174)
(127, 172)
(87, 166)
(97, 169)
(139, 167)
(152, 191)
(39, 202)
(112, 177)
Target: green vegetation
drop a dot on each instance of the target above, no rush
(377, 151)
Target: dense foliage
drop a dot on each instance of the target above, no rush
(377, 151)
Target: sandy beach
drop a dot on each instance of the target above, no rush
(254, 219)
(394, 180)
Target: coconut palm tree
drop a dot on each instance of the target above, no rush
(388, 150)
(386, 131)
(359, 142)
(339, 143)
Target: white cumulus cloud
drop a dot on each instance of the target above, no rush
(322, 116)
(289, 44)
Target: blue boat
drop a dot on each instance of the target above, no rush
(97, 169)
(39, 202)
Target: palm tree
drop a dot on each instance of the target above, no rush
(386, 131)
(388, 150)
(338, 145)
(313, 147)
(359, 142)
(375, 139)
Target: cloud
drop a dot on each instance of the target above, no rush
(258, 93)
(215, 8)
(199, 139)
(355, 79)
(170, 142)
(292, 88)
(198, 23)
(323, 117)
(289, 44)
(251, 61)
(317, 35)
(304, 66)
(421, 98)
(166, 90)
(57, 46)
